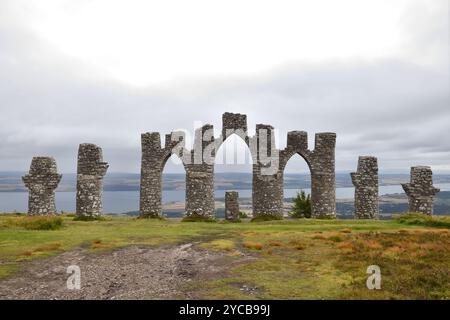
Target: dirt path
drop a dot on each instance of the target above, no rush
(129, 273)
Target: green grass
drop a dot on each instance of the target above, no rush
(266, 217)
(34, 222)
(423, 220)
(291, 259)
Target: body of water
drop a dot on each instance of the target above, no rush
(125, 201)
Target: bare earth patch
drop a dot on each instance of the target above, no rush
(129, 273)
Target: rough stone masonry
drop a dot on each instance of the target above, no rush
(232, 206)
(420, 190)
(90, 172)
(41, 182)
(268, 168)
(365, 180)
(321, 163)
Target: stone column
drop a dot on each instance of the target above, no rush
(90, 172)
(231, 206)
(267, 194)
(323, 177)
(200, 190)
(41, 182)
(200, 174)
(151, 175)
(420, 190)
(365, 180)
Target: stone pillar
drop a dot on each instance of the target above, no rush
(151, 175)
(90, 172)
(231, 206)
(200, 174)
(41, 182)
(267, 192)
(420, 190)
(323, 177)
(200, 190)
(365, 180)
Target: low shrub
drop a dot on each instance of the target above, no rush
(302, 206)
(242, 215)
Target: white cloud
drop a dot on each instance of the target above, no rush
(74, 72)
(143, 42)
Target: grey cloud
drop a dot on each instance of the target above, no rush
(393, 109)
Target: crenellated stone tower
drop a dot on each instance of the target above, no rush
(365, 180)
(41, 182)
(420, 190)
(90, 172)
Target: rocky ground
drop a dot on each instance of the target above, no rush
(128, 273)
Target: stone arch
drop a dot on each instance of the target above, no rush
(221, 142)
(173, 194)
(288, 156)
(221, 147)
(154, 159)
(321, 162)
(298, 178)
(234, 124)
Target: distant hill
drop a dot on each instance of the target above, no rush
(11, 181)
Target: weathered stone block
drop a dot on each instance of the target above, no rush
(297, 140)
(233, 122)
(231, 206)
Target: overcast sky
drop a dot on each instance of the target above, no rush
(104, 71)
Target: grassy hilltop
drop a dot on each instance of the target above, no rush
(290, 259)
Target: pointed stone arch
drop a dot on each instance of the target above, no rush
(321, 163)
(154, 159)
